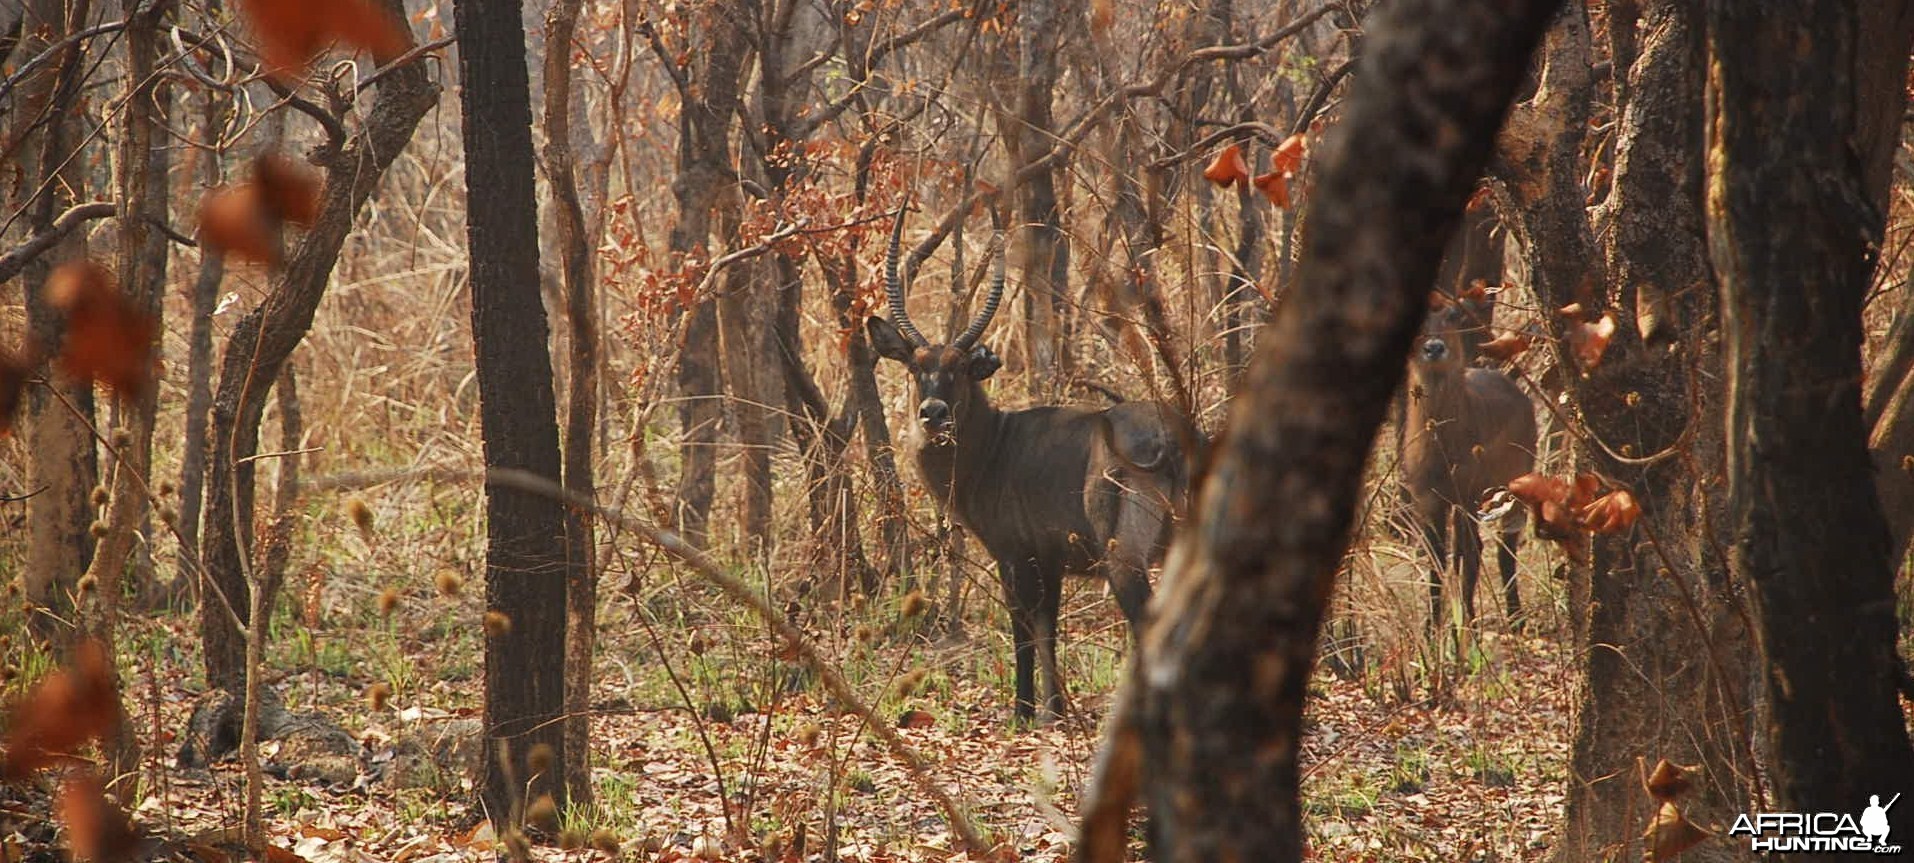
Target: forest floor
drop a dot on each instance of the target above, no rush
(694, 712)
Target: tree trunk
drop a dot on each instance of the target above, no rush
(264, 339)
(581, 397)
(1789, 208)
(58, 426)
(1217, 694)
(1029, 135)
(525, 541)
(704, 171)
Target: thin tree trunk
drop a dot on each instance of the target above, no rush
(1210, 719)
(1788, 207)
(581, 401)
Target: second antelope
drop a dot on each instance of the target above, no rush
(1467, 430)
(1047, 490)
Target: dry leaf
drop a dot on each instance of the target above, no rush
(1590, 340)
(233, 220)
(292, 32)
(107, 338)
(1668, 781)
(1275, 187)
(70, 707)
(1614, 512)
(1505, 347)
(1671, 833)
(916, 719)
(1228, 168)
(13, 382)
(96, 829)
(286, 189)
(1288, 157)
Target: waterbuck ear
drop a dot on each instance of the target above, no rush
(889, 343)
(983, 363)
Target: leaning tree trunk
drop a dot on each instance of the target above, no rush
(1653, 612)
(1794, 237)
(525, 754)
(263, 341)
(1211, 717)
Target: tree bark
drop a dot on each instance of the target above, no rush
(1653, 611)
(1794, 235)
(581, 395)
(1217, 693)
(58, 423)
(1029, 136)
(525, 540)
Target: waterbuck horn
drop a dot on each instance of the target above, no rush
(977, 326)
(895, 287)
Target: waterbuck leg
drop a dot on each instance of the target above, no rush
(1435, 538)
(1051, 579)
(1022, 595)
(1468, 552)
(1505, 561)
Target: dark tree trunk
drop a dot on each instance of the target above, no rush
(1217, 695)
(262, 342)
(1794, 233)
(708, 105)
(1653, 611)
(525, 540)
(581, 397)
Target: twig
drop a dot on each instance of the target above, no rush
(20, 256)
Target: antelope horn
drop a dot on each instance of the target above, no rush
(977, 326)
(895, 287)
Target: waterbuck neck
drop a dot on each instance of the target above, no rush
(951, 471)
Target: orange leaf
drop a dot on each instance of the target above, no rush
(286, 189)
(1671, 833)
(1587, 485)
(292, 32)
(1228, 168)
(68, 708)
(1614, 512)
(1102, 15)
(916, 719)
(1275, 187)
(1288, 157)
(1505, 347)
(1668, 781)
(1572, 311)
(233, 219)
(13, 381)
(107, 338)
(1590, 340)
(96, 829)
(1535, 489)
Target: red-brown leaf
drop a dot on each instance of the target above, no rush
(107, 338)
(1505, 347)
(1590, 340)
(70, 707)
(287, 190)
(292, 32)
(1228, 168)
(96, 829)
(1614, 512)
(1274, 186)
(13, 382)
(1288, 157)
(234, 219)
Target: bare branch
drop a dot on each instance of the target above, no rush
(17, 259)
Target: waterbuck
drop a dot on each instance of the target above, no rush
(1467, 430)
(1048, 490)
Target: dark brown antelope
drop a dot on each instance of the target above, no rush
(1048, 490)
(1467, 430)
